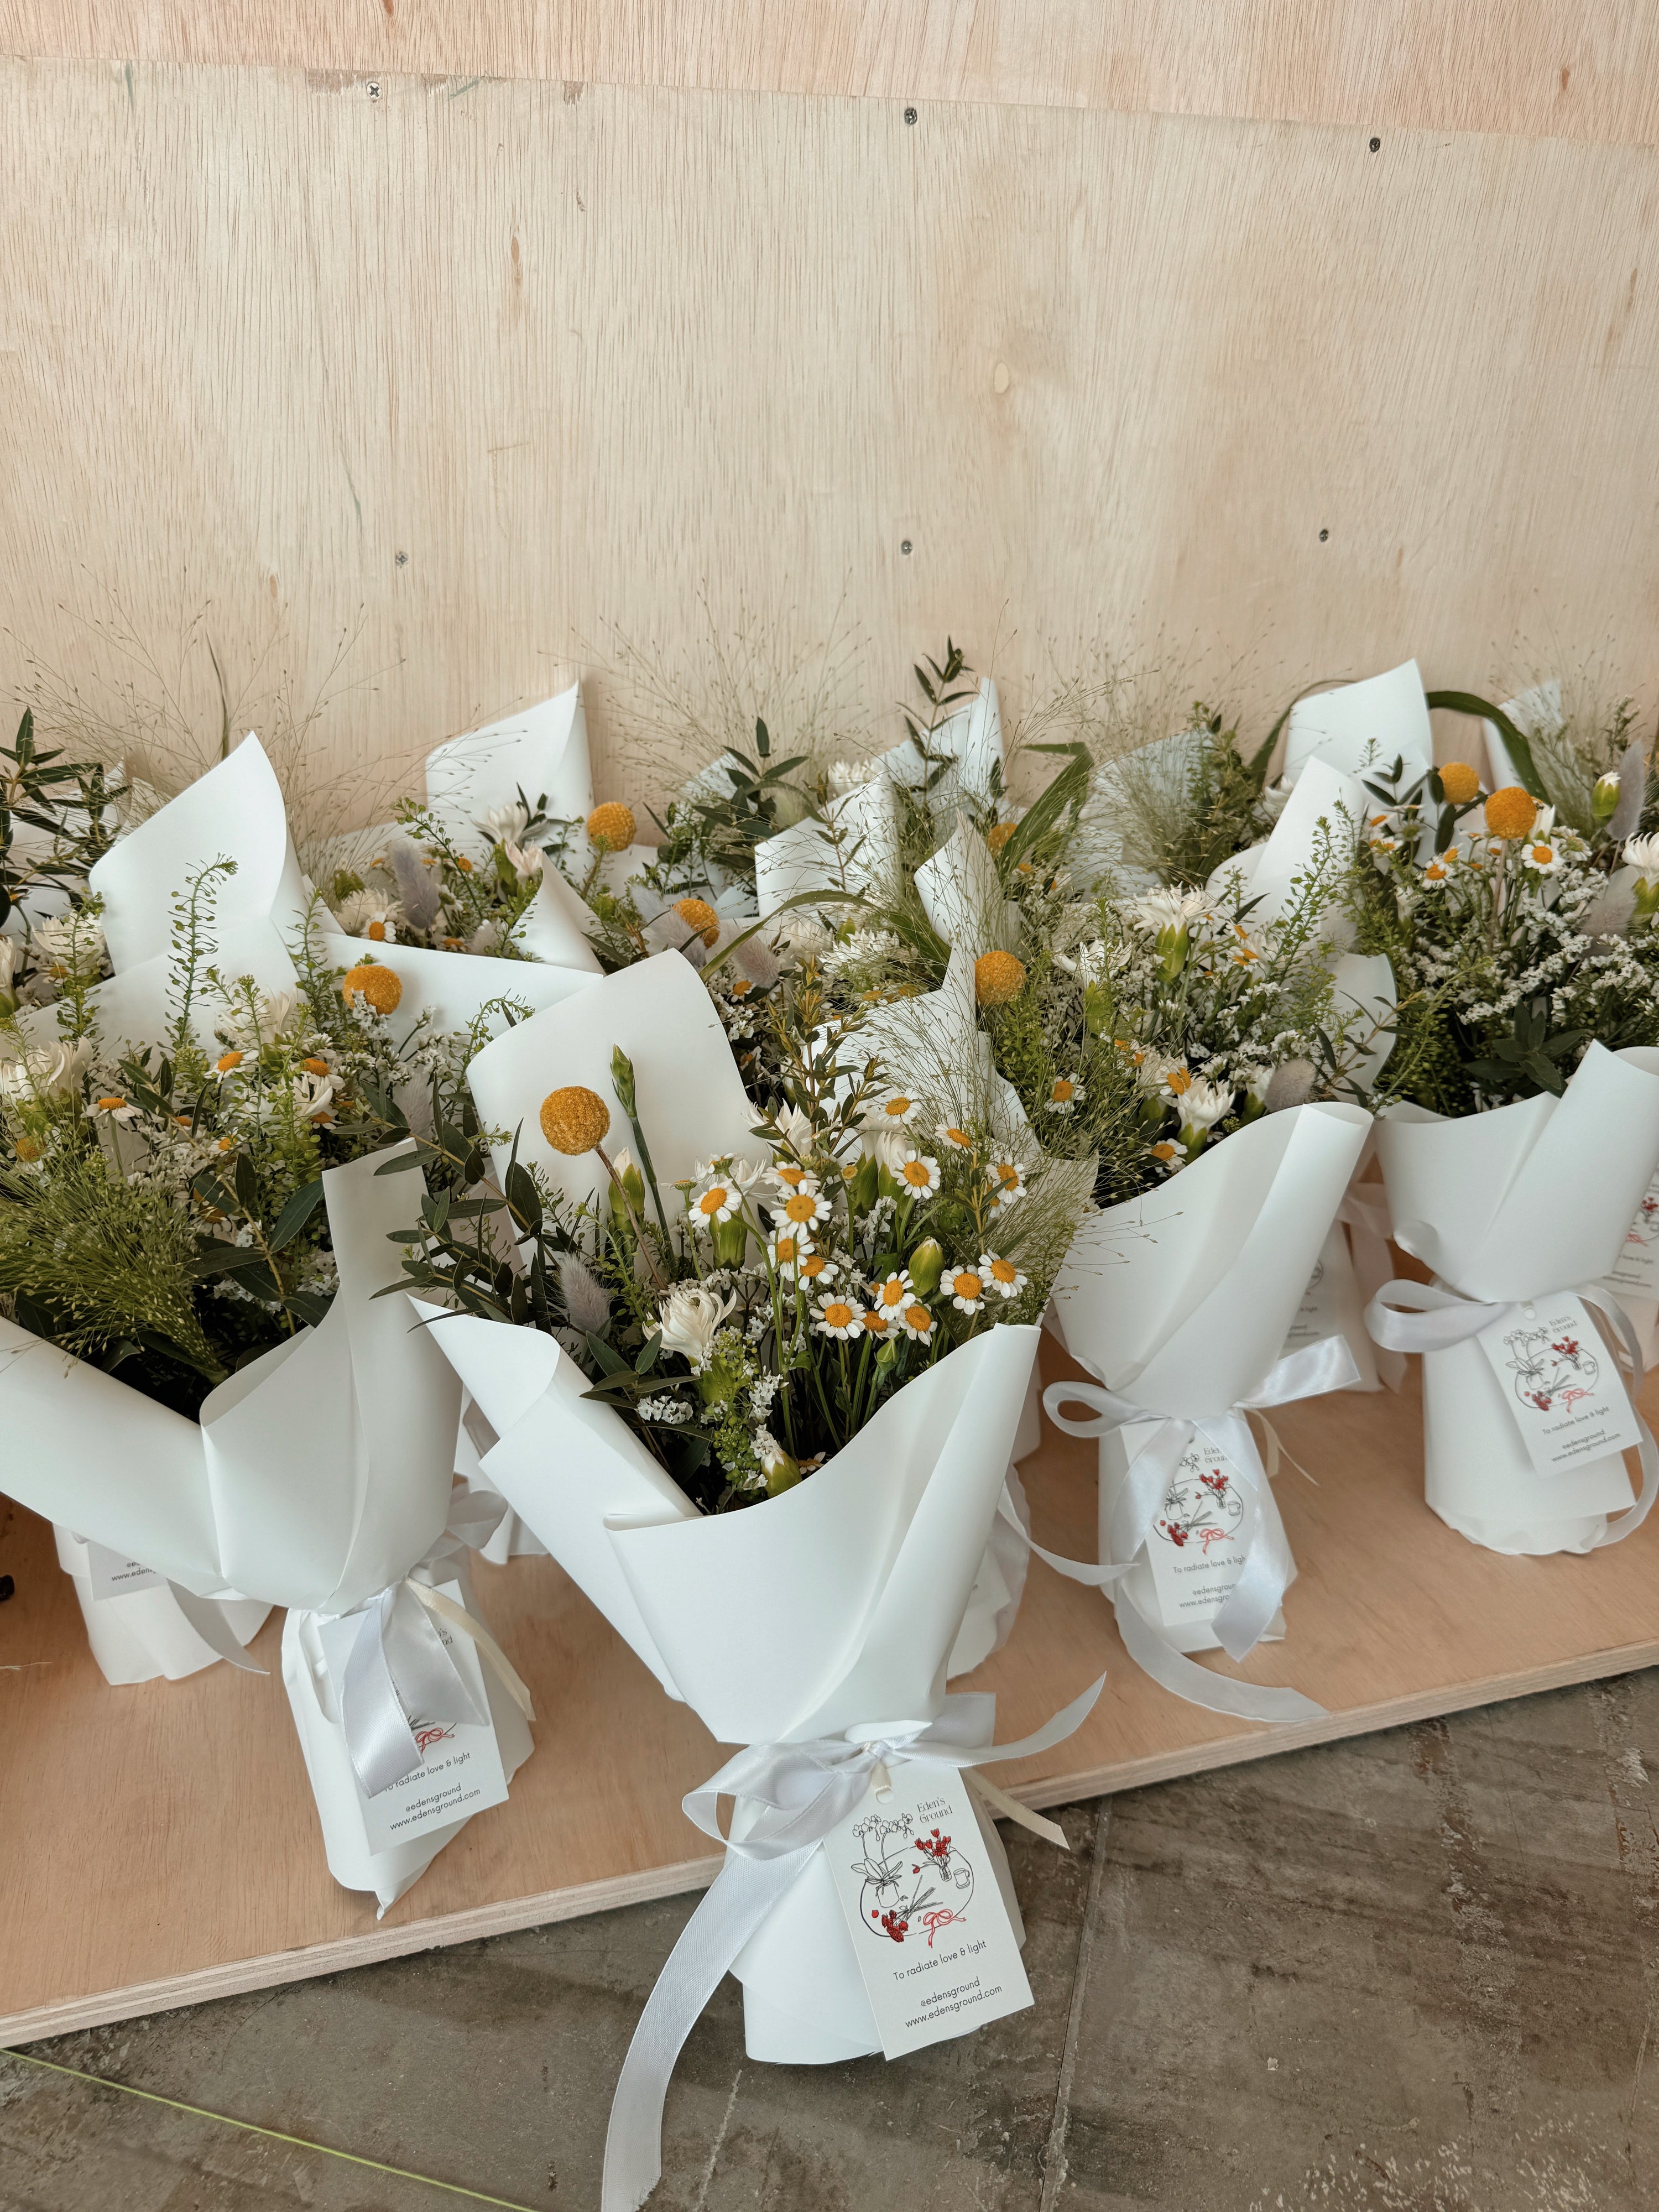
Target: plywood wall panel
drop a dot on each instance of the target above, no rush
(1572, 68)
(586, 358)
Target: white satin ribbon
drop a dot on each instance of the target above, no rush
(1251, 1604)
(398, 1666)
(804, 1790)
(1426, 1317)
(1370, 1228)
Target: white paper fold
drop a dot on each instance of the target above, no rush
(1362, 728)
(1530, 1199)
(542, 750)
(1536, 713)
(144, 1634)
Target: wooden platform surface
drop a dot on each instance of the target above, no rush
(158, 1845)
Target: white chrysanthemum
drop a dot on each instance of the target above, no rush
(1163, 909)
(257, 1017)
(503, 824)
(690, 1318)
(313, 1095)
(366, 913)
(51, 1071)
(1642, 853)
(527, 860)
(1202, 1104)
(70, 945)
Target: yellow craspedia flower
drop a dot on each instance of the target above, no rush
(998, 977)
(998, 837)
(697, 914)
(379, 985)
(611, 826)
(1459, 781)
(1510, 812)
(575, 1119)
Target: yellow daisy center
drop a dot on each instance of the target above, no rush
(712, 1200)
(803, 1206)
(1004, 1271)
(896, 1108)
(1063, 1091)
(227, 1061)
(917, 1174)
(875, 1322)
(965, 1284)
(110, 1105)
(838, 1314)
(812, 1265)
(919, 1318)
(892, 1292)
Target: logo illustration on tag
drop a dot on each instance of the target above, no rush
(1552, 1372)
(1203, 1508)
(926, 1881)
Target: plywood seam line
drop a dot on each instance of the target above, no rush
(1585, 69)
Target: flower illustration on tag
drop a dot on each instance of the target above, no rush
(1202, 1507)
(911, 1881)
(1552, 1372)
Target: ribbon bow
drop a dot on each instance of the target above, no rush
(398, 1665)
(1257, 1596)
(804, 1792)
(1407, 1316)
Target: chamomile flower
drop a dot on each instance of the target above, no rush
(888, 1295)
(1437, 874)
(802, 1208)
(1541, 849)
(792, 1177)
(917, 1321)
(964, 1288)
(817, 1267)
(919, 1173)
(1007, 1181)
(874, 1322)
(894, 1109)
(1169, 1157)
(1001, 1275)
(959, 1139)
(838, 1316)
(1066, 1095)
(718, 1198)
(112, 1108)
(787, 1249)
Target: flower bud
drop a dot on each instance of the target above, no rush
(865, 1182)
(1604, 800)
(633, 1183)
(926, 1266)
(782, 1471)
(731, 1242)
(1173, 946)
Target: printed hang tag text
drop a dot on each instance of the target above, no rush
(1636, 1271)
(1317, 1317)
(931, 1933)
(1197, 1549)
(1561, 1382)
(112, 1574)
(460, 1771)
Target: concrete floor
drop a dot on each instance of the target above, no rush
(1419, 1973)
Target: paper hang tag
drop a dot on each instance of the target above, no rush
(1196, 1550)
(460, 1771)
(1316, 1317)
(1562, 1383)
(112, 1574)
(1636, 1271)
(934, 1944)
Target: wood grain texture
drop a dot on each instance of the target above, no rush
(196, 1869)
(1532, 68)
(480, 371)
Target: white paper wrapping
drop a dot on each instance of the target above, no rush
(1528, 1199)
(143, 1635)
(1363, 727)
(835, 1604)
(1180, 1301)
(352, 1860)
(1536, 713)
(542, 750)
(970, 741)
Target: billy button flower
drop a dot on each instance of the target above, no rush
(1510, 812)
(575, 1120)
(999, 978)
(697, 914)
(1002, 1275)
(837, 1316)
(379, 987)
(1460, 782)
(610, 826)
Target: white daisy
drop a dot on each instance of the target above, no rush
(918, 1174)
(838, 1316)
(1002, 1275)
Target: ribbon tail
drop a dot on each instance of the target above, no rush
(1010, 1808)
(458, 1617)
(211, 1624)
(1077, 1570)
(746, 1891)
(1173, 1671)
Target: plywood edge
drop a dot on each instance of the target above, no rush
(235, 1976)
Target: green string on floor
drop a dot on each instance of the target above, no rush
(272, 2134)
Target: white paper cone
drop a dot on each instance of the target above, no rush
(541, 751)
(963, 898)
(143, 1635)
(1530, 1199)
(514, 1537)
(970, 740)
(1536, 713)
(857, 850)
(692, 1104)
(353, 1863)
(1362, 728)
